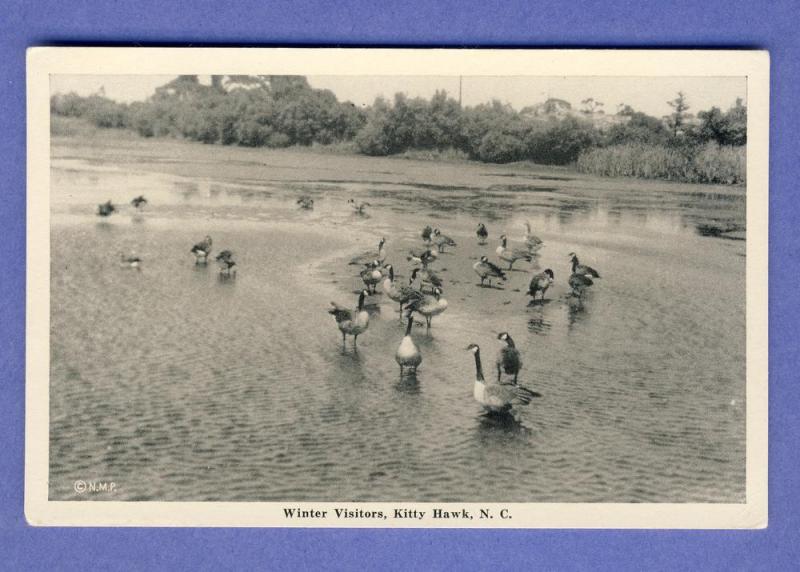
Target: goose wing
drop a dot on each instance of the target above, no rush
(494, 269)
(341, 314)
(432, 277)
(500, 395)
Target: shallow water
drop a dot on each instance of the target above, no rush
(178, 384)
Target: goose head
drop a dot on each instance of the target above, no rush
(473, 348)
(484, 259)
(550, 273)
(505, 337)
(503, 239)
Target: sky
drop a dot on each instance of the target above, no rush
(643, 94)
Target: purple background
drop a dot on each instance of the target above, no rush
(621, 23)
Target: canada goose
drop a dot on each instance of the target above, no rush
(431, 279)
(423, 256)
(139, 202)
(540, 283)
(511, 255)
(358, 207)
(306, 203)
(578, 268)
(402, 294)
(371, 275)
(495, 397)
(130, 261)
(579, 283)
(426, 234)
(531, 241)
(348, 323)
(226, 261)
(508, 358)
(442, 240)
(482, 233)
(487, 270)
(429, 305)
(408, 355)
(106, 208)
(371, 255)
(201, 250)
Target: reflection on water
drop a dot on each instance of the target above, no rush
(209, 387)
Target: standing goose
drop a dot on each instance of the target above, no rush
(579, 283)
(201, 250)
(226, 262)
(408, 356)
(431, 279)
(578, 268)
(540, 283)
(426, 234)
(371, 255)
(482, 233)
(511, 255)
(423, 256)
(442, 240)
(371, 275)
(402, 294)
(130, 261)
(350, 324)
(358, 208)
(494, 397)
(429, 305)
(106, 208)
(533, 242)
(508, 358)
(139, 202)
(487, 270)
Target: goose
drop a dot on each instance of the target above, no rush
(495, 397)
(139, 202)
(306, 203)
(403, 294)
(487, 270)
(348, 323)
(106, 208)
(226, 261)
(540, 283)
(408, 356)
(511, 255)
(201, 250)
(579, 283)
(578, 268)
(508, 358)
(358, 207)
(130, 261)
(482, 233)
(442, 240)
(533, 242)
(423, 256)
(426, 234)
(431, 279)
(371, 255)
(371, 275)
(429, 305)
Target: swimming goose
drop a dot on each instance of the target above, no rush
(370, 255)
(482, 233)
(351, 323)
(508, 358)
(139, 202)
(442, 240)
(371, 275)
(426, 234)
(495, 397)
(402, 294)
(429, 305)
(578, 268)
(540, 283)
(408, 355)
(201, 250)
(487, 270)
(130, 261)
(533, 242)
(423, 256)
(106, 208)
(226, 261)
(306, 203)
(358, 207)
(511, 255)
(579, 283)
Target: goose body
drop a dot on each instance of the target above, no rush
(139, 202)
(532, 241)
(495, 397)
(400, 294)
(426, 234)
(358, 208)
(431, 279)
(106, 208)
(482, 233)
(578, 268)
(306, 203)
(371, 275)
(201, 250)
(511, 255)
(442, 241)
(579, 283)
(408, 356)
(488, 271)
(423, 256)
(540, 283)
(371, 255)
(349, 322)
(429, 305)
(225, 261)
(508, 359)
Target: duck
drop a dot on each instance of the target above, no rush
(487, 270)
(402, 294)
(226, 261)
(371, 275)
(408, 356)
(578, 268)
(201, 250)
(306, 203)
(358, 207)
(511, 255)
(426, 234)
(106, 208)
(139, 202)
(540, 283)
(533, 242)
(130, 261)
(351, 323)
(442, 240)
(482, 233)
(429, 305)
(579, 283)
(508, 359)
(496, 397)
(371, 255)
(423, 256)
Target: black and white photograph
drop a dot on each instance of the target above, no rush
(385, 290)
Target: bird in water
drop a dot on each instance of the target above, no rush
(371, 255)
(139, 202)
(578, 268)
(496, 397)
(349, 322)
(579, 283)
(401, 294)
(508, 359)
(106, 208)
(426, 234)
(130, 261)
(482, 233)
(442, 240)
(532, 241)
(511, 255)
(226, 262)
(306, 203)
(408, 356)
(488, 271)
(358, 208)
(540, 283)
(429, 305)
(201, 250)
(371, 275)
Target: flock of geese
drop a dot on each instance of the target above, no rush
(423, 294)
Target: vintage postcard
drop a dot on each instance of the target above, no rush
(397, 288)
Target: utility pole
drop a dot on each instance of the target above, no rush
(460, 81)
